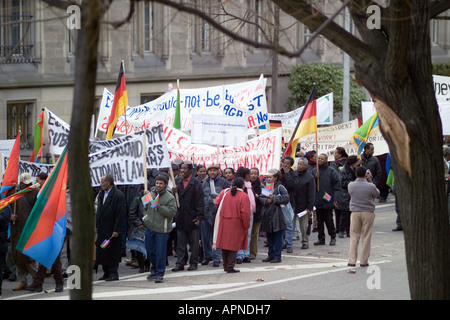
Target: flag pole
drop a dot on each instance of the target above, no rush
(125, 114)
(144, 144)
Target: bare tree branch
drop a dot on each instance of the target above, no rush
(439, 6)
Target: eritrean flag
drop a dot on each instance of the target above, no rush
(306, 124)
(10, 178)
(177, 117)
(146, 199)
(14, 197)
(326, 197)
(120, 103)
(38, 140)
(43, 235)
(154, 202)
(360, 136)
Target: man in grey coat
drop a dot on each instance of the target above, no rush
(362, 196)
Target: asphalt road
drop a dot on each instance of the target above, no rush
(318, 273)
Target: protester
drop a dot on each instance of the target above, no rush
(232, 223)
(304, 193)
(158, 220)
(40, 178)
(189, 216)
(212, 186)
(5, 215)
(369, 161)
(135, 216)
(340, 158)
(272, 196)
(229, 174)
(39, 277)
(327, 192)
(288, 177)
(312, 163)
(362, 195)
(200, 173)
(256, 187)
(21, 210)
(111, 212)
(243, 255)
(342, 210)
(65, 250)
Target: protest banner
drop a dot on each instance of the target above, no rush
(33, 168)
(124, 161)
(441, 88)
(218, 130)
(324, 113)
(263, 152)
(331, 137)
(58, 133)
(245, 99)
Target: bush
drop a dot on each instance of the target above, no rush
(441, 69)
(328, 78)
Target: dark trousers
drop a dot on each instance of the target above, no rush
(185, 238)
(39, 278)
(111, 271)
(229, 259)
(325, 218)
(275, 244)
(343, 224)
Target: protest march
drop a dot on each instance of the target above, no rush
(220, 127)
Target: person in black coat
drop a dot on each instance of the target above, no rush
(5, 215)
(111, 212)
(189, 216)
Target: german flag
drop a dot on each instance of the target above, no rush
(120, 103)
(307, 123)
(275, 124)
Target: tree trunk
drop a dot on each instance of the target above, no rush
(394, 64)
(79, 174)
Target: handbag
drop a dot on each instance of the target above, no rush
(288, 213)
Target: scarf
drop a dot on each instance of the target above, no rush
(251, 196)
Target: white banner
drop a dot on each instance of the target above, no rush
(329, 138)
(442, 88)
(31, 167)
(125, 161)
(245, 99)
(58, 133)
(263, 152)
(218, 130)
(324, 113)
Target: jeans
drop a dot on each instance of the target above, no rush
(241, 254)
(156, 246)
(275, 243)
(289, 234)
(206, 232)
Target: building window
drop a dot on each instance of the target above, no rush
(16, 31)
(149, 27)
(19, 117)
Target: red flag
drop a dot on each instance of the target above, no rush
(10, 178)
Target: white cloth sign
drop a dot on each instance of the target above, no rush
(245, 99)
(324, 113)
(218, 130)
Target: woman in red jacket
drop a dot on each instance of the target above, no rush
(232, 223)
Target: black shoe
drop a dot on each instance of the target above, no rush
(179, 267)
(151, 276)
(341, 234)
(112, 278)
(398, 229)
(159, 279)
(351, 265)
(216, 264)
(192, 267)
(305, 245)
(364, 265)
(59, 289)
(247, 260)
(206, 261)
(319, 243)
(32, 288)
(268, 259)
(233, 270)
(332, 242)
(239, 260)
(275, 260)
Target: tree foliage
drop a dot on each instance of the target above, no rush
(328, 78)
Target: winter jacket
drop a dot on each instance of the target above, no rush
(159, 219)
(329, 183)
(373, 164)
(347, 175)
(220, 184)
(272, 219)
(192, 204)
(304, 191)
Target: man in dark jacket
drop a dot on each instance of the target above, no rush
(304, 192)
(370, 162)
(211, 189)
(189, 216)
(327, 193)
(111, 212)
(5, 215)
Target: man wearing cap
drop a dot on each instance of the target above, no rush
(21, 210)
(211, 189)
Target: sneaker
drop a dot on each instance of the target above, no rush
(151, 276)
(305, 245)
(159, 279)
(332, 242)
(59, 288)
(192, 267)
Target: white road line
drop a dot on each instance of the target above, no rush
(269, 283)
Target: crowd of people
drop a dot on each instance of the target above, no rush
(204, 215)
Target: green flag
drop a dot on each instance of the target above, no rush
(177, 118)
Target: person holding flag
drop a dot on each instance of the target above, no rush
(120, 103)
(157, 219)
